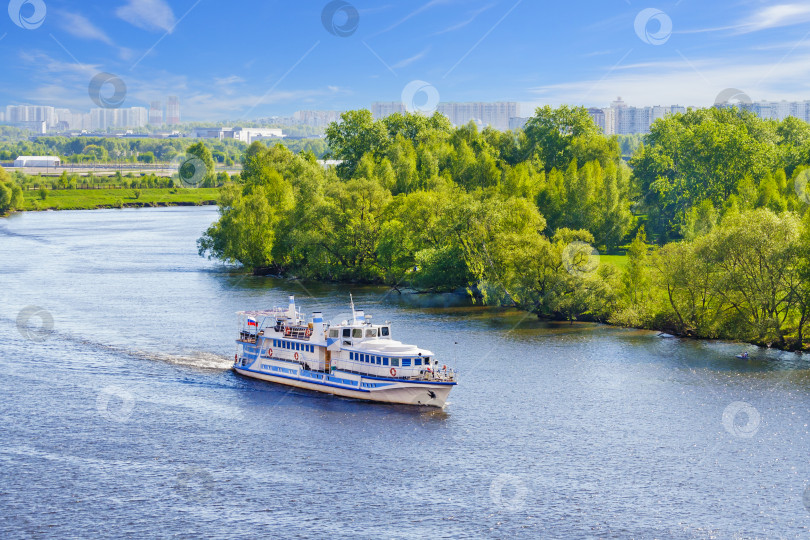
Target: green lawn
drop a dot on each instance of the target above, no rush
(618, 261)
(84, 199)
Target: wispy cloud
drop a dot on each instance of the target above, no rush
(409, 16)
(458, 26)
(410, 60)
(694, 82)
(79, 26)
(231, 79)
(776, 17)
(600, 53)
(148, 14)
(765, 18)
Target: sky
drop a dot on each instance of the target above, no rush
(250, 59)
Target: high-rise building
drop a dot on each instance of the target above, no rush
(316, 118)
(156, 113)
(598, 117)
(621, 119)
(30, 113)
(173, 110)
(102, 119)
(381, 109)
(496, 115)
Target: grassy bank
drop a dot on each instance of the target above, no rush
(87, 199)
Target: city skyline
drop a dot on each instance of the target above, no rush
(488, 51)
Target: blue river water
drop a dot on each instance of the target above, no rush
(120, 416)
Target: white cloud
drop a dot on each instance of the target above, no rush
(458, 26)
(408, 61)
(764, 19)
(409, 16)
(78, 25)
(776, 17)
(694, 82)
(231, 79)
(148, 14)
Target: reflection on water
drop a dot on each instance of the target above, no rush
(556, 429)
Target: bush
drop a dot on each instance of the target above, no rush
(43, 193)
(137, 193)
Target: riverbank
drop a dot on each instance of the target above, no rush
(90, 199)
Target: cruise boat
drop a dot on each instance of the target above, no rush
(353, 358)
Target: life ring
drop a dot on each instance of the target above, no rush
(287, 331)
(308, 332)
(296, 356)
(269, 352)
(393, 372)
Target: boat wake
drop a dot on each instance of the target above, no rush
(196, 359)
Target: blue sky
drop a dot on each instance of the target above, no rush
(248, 59)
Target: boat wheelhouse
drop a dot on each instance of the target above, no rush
(354, 358)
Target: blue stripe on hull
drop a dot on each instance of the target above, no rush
(301, 379)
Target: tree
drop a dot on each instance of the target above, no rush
(560, 135)
(189, 170)
(635, 277)
(355, 135)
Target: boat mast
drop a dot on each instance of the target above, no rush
(352, 302)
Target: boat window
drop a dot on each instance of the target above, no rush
(347, 332)
(385, 361)
(371, 332)
(333, 333)
(406, 362)
(417, 362)
(395, 362)
(357, 332)
(378, 360)
(384, 331)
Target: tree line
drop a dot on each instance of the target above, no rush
(513, 217)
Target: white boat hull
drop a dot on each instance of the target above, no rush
(398, 391)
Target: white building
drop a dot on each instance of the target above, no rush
(247, 135)
(37, 161)
(101, 119)
(30, 113)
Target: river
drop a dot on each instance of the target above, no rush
(120, 416)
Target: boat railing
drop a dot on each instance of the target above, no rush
(296, 332)
(247, 337)
(439, 375)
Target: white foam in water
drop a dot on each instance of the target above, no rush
(196, 359)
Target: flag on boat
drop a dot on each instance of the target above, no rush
(252, 322)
